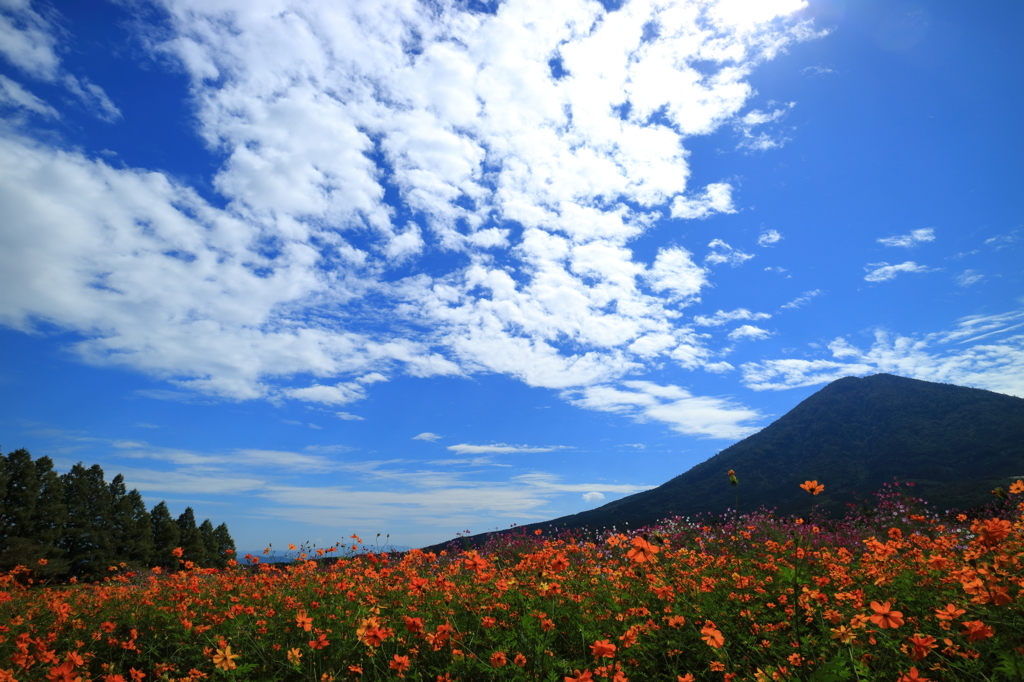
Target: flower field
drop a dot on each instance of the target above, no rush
(894, 593)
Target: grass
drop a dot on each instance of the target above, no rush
(894, 592)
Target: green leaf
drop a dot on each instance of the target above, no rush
(835, 670)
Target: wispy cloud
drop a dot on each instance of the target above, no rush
(722, 317)
(761, 141)
(748, 332)
(723, 253)
(701, 416)
(801, 300)
(29, 41)
(969, 277)
(348, 416)
(883, 272)
(501, 448)
(769, 237)
(926, 234)
(996, 365)
(427, 435)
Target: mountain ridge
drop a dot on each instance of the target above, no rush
(954, 443)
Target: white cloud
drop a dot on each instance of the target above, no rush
(538, 185)
(717, 198)
(349, 417)
(883, 272)
(1001, 241)
(500, 448)
(761, 141)
(28, 41)
(907, 240)
(969, 277)
(685, 413)
(723, 253)
(593, 497)
(802, 299)
(818, 70)
(996, 365)
(748, 331)
(768, 238)
(721, 317)
(428, 436)
(14, 95)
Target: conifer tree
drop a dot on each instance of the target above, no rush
(87, 532)
(49, 519)
(191, 539)
(209, 536)
(3, 498)
(22, 494)
(225, 543)
(166, 537)
(132, 530)
(20, 498)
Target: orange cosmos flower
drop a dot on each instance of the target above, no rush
(498, 659)
(642, 551)
(812, 487)
(304, 621)
(732, 477)
(992, 531)
(712, 636)
(884, 617)
(923, 644)
(137, 675)
(584, 676)
(688, 677)
(1017, 488)
(676, 621)
(519, 660)
(559, 563)
(912, 676)
(178, 552)
(949, 613)
(717, 666)
(375, 636)
(62, 673)
(399, 664)
(975, 630)
(224, 659)
(294, 656)
(603, 649)
(320, 642)
(475, 562)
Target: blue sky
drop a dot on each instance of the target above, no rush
(410, 268)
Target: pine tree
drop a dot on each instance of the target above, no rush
(49, 519)
(132, 530)
(142, 549)
(21, 496)
(3, 499)
(166, 537)
(87, 532)
(225, 544)
(209, 536)
(191, 538)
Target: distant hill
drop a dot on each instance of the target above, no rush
(954, 443)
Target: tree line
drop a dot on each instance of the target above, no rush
(77, 524)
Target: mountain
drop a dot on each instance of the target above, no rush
(954, 443)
